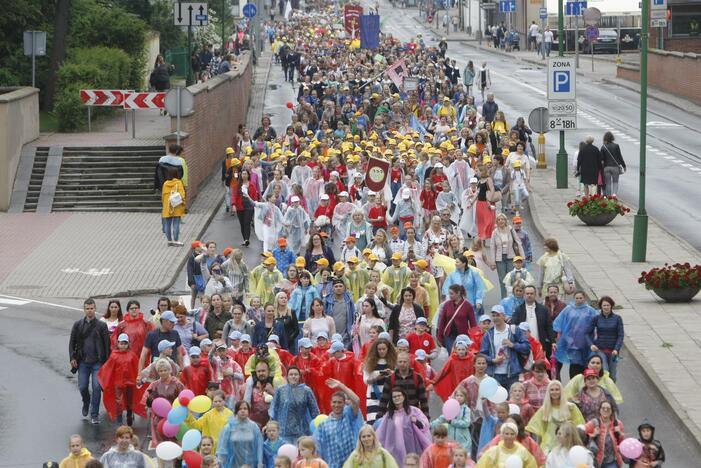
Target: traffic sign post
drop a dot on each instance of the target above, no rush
(592, 33)
(34, 45)
(179, 101)
(561, 161)
(538, 121)
(250, 10)
(190, 14)
(575, 8)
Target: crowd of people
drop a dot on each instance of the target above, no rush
(328, 345)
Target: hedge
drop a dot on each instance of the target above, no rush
(88, 68)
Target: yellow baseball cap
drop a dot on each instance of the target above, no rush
(338, 266)
(300, 262)
(421, 263)
(396, 256)
(230, 150)
(270, 261)
(322, 262)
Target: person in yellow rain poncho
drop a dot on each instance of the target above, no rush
(258, 271)
(396, 276)
(496, 456)
(555, 410)
(357, 278)
(78, 456)
(269, 277)
(427, 280)
(469, 254)
(213, 421)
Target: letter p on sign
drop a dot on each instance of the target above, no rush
(561, 81)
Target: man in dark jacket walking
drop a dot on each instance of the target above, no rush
(589, 164)
(538, 317)
(89, 348)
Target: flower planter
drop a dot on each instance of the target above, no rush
(677, 295)
(597, 220)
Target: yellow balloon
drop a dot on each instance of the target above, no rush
(200, 404)
(320, 419)
(176, 403)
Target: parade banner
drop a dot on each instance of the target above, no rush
(397, 72)
(369, 32)
(351, 19)
(376, 175)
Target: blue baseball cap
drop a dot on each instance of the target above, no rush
(246, 337)
(420, 355)
(205, 342)
(305, 343)
(195, 351)
(402, 342)
(498, 309)
(336, 347)
(274, 339)
(336, 337)
(484, 317)
(165, 344)
(235, 335)
(123, 337)
(385, 336)
(169, 315)
(322, 334)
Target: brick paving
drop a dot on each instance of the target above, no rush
(662, 337)
(76, 255)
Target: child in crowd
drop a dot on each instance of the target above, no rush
(308, 454)
(272, 444)
(117, 378)
(458, 427)
(440, 453)
(653, 454)
(461, 459)
(491, 422)
(476, 333)
(211, 423)
(460, 365)
(421, 338)
(78, 455)
(150, 373)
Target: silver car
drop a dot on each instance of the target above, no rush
(606, 43)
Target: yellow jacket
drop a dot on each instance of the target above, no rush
(211, 423)
(71, 461)
(172, 185)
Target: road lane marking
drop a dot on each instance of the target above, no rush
(12, 302)
(5, 296)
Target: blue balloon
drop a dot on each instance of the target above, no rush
(191, 440)
(488, 387)
(312, 427)
(177, 415)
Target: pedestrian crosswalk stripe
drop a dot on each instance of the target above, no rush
(3, 308)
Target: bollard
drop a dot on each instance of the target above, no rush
(541, 152)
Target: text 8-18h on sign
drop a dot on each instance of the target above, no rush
(562, 79)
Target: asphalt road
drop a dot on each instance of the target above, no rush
(39, 400)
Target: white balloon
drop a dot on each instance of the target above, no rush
(514, 409)
(168, 451)
(500, 396)
(514, 461)
(578, 455)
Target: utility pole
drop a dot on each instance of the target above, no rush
(190, 78)
(561, 161)
(640, 220)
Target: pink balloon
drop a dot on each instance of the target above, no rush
(451, 408)
(161, 407)
(170, 430)
(631, 448)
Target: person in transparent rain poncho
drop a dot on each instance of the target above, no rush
(296, 222)
(341, 219)
(268, 222)
(294, 407)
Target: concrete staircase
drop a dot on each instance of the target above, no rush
(36, 179)
(118, 178)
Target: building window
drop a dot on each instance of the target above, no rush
(686, 21)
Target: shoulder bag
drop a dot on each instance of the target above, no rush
(175, 199)
(621, 169)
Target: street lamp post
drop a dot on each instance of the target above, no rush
(640, 220)
(561, 160)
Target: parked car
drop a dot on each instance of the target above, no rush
(606, 43)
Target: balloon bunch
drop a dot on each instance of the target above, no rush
(173, 426)
(492, 391)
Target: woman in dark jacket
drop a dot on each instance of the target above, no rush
(614, 165)
(589, 166)
(160, 76)
(606, 331)
(404, 315)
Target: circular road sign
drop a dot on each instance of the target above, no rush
(538, 120)
(592, 32)
(249, 10)
(591, 15)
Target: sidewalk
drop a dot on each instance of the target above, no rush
(78, 255)
(660, 336)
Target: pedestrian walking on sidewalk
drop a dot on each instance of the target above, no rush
(468, 77)
(173, 201)
(89, 348)
(607, 335)
(589, 166)
(548, 41)
(614, 165)
(554, 265)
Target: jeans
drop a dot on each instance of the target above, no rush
(448, 343)
(506, 381)
(611, 174)
(171, 228)
(518, 196)
(245, 220)
(610, 363)
(85, 373)
(502, 269)
(548, 46)
(227, 199)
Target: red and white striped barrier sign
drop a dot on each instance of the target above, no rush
(102, 97)
(145, 101)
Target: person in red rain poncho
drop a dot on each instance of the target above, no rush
(244, 354)
(476, 333)
(421, 338)
(459, 366)
(537, 353)
(135, 326)
(344, 368)
(310, 367)
(117, 378)
(322, 346)
(285, 356)
(198, 374)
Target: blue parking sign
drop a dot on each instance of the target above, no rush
(561, 81)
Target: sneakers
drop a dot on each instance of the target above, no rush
(178, 244)
(95, 420)
(86, 408)
(171, 243)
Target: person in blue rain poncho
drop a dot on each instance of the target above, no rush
(296, 222)
(513, 300)
(293, 407)
(469, 279)
(574, 345)
(240, 442)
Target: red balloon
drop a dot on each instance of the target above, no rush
(184, 400)
(290, 105)
(193, 459)
(160, 424)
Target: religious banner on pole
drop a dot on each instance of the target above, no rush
(376, 175)
(369, 31)
(351, 19)
(397, 72)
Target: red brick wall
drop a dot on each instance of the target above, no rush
(220, 105)
(672, 72)
(678, 44)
